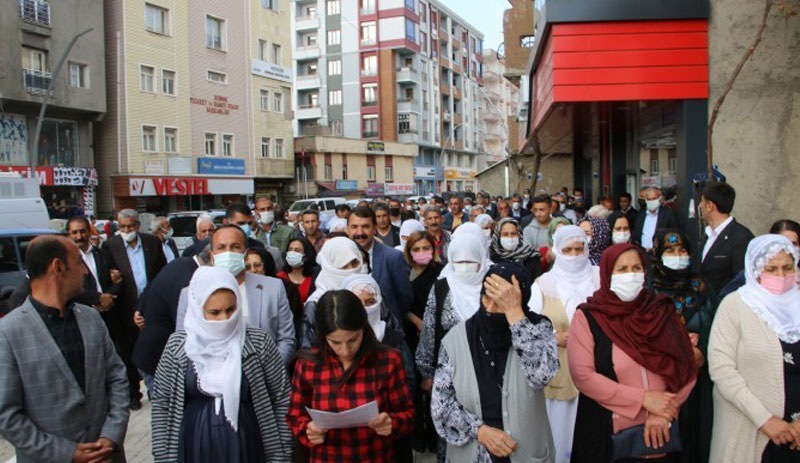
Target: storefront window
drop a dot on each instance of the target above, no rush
(58, 144)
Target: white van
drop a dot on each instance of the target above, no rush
(21, 204)
(326, 206)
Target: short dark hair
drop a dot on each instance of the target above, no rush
(226, 226)
(381, 207)
(785, 225)
(577, 189)
(364, 212)
(41, 252)
(309, 212)
(626, 195)
(342, 207)
(237, 208)
(721, 194)
(79, 218)
(266, 259)
(541, 199)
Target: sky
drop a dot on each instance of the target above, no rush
(485, 15)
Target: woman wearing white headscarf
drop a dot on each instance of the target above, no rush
(221, 392)
(339, 258)
(486, 223)
(408, 228)
(556, 295)
(754, 360)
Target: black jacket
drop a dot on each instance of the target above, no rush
(392, 239)
(725, 259)
(666, 219)
(198, 246)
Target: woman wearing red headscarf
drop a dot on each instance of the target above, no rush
(632, 361)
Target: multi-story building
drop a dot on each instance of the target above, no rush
(394, 71)
(198, 114)
(500, 110)
(36, 37)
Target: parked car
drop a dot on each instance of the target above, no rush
(13, 245)
(185, 225)
(327, 208)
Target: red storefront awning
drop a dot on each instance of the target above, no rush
(620, 61)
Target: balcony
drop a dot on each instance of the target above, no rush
(306, 52)
(36, 82)
(35, 11)
(457, 93)
(406, 75)
(406, 105)
(491, 76)
(307, 82)
(408, 137)
(444, 89)
(308, 111)
(306, 23)
(268, 167)
(458, 119)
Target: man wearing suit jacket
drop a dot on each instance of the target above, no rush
(264, 301)
(655, 217)
(456, 216)
(388, 266)
(162, 230)
(139, 257)
(726, 240)
(63, 390)
(386, 232)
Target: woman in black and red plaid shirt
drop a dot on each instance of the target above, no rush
(349, 369)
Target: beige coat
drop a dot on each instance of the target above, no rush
(745, 361)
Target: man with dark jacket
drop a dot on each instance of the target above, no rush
(162, 230)
(655, 217)
(385, 232)
(456, 216)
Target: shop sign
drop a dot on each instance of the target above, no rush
(399, 189)
(459, 173)
(220, 166)
(13, 139)
(669, 181)
(651, 180)
(168, 186)
(376, 147)
(425, 172)
(180, 165)
(270, 71)
(346, 185)
(218, 105)
(58, 176)
(375, 189)
(154, 167)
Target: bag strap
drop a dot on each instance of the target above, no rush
(440, 290)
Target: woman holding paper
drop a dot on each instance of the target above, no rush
(350, 369)
(220, 391)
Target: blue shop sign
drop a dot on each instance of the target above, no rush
(220, 166)
(346, 185)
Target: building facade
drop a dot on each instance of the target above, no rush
(404, 71)
(198, 116)
(500, 115)
(36, 36)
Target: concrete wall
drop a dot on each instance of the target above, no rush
(556, 172)
(757, 133)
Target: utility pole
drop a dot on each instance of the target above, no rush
(35, 156)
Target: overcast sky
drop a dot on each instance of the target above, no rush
(485, 15)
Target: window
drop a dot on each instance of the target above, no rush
(146, 74)
(328, 170)
(369, 125)
(218, 77)
(265, 147)
(423, 42)
(215, 33)
(370, 173)
(334, 37)
(211, 144)
(422, 12)
(277, 102)
(411, 31)
(312, 100)
(334, 67)
(78, 75)
(410, 4)
(388, 173)
(367, 6)
(654, 166)
(527, 41)
(148, 138)
(34, 59)
(277, 54)
(344, 170)
(311, 40)
(369, 65)
(167, 82)
(170, 140)
(336, 127)
(58, 143)
(263, 49)
(270, 4)
(156, 19)
(264, 100)
(279, 148)
(368, 33)
(311, 69)
(369, 94)
(227, 144)
(333, 7)
(334, 97)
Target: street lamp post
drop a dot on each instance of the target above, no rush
(40, 120)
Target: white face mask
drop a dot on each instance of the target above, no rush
(128, 237)
(294, 258)
(515, 206)
(620, 237)
(487, 232)
(266, 217)
(465, 268)
(653, 204)
(562, 207)
(676, 262)
(627, 285)
(509, 244)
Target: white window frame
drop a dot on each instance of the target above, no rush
(369, 71)
(370, 173)
(334, 97)
(213, 140)
(152, 145)
(174, 136)
(223, 32)
(265, 151)
(277, 54)
(143, 78)
(263, 99)
(228, 145)
(333, 7)
(165, 19)
(334, 37)
(263, 50)
(280, 147)
(327, 172)
(174, 82)
(211, 72)
(335, 67)
(277, 102)
(388, 173)
(83, 76)
(272, 5)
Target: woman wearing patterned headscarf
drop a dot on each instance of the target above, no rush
(696, 303)
(599, 234)
(754, 360)
(508, 245)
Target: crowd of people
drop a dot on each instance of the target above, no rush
(484, 329)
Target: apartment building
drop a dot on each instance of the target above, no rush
(405, 71)
(36, 36)
(501, 110)
(197, 113)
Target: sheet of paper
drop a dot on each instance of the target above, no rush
(353, 418)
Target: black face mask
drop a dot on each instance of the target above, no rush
(642, 204)
(394, 211)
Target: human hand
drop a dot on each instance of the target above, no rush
(106, 302)
(661, 403)
(497, 442)
(426, 384)
(382, 424)
(656, 431)
(507, 296)
(780, 432)
(91, 452)
(796, 426)
(116, 276)
(561, 338)
(699, 358)
(316, 435)
(138, 320)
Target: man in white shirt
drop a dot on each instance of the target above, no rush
(652, 219)
(163, 230)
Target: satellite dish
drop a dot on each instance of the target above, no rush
(501, 51)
